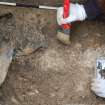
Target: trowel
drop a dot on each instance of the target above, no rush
(63, 34)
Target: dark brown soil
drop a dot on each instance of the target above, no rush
(58, 74)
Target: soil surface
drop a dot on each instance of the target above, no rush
(54, 74)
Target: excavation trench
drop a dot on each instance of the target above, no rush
(53, 74)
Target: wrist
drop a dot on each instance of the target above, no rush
(81, 14)
(92, 9)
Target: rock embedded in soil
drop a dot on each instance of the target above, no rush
(24, 34)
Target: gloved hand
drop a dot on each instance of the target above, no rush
(98, 87)
(77, 13)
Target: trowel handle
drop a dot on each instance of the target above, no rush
(66, 13)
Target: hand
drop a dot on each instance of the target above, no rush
(77, 13)
(98, 87)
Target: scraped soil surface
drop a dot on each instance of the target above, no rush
(55, 74)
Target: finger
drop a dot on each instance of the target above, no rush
(59, 15)
(100, 94)
(68, 20)
(99, 83)
(95, 84)
(96, 80)
(96, 90)
(60, 12)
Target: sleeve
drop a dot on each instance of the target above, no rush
(92, 9)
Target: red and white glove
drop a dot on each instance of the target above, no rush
(77, 13)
